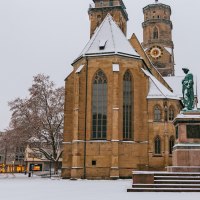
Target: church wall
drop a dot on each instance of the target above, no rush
(68, 128)
(164, 129)
(114, 157)
(113, 153)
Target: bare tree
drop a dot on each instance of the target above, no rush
(38, 120)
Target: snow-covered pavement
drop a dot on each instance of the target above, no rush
(20, 187)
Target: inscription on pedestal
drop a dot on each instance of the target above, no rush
(193, 131)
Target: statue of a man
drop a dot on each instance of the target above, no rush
(188, 91)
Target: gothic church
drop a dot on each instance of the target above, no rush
(119, 100)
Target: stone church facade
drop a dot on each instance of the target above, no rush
(118, 107)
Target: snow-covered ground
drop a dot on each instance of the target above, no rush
(20, 187)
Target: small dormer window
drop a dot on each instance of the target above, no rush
(102, 44)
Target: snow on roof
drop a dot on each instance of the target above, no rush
(175, 82)
(157, 90)
(182, 116)
(111, 39)
(79, 69)
(168, 49)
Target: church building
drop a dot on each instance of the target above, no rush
(119, 104)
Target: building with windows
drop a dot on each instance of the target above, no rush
(118, 107)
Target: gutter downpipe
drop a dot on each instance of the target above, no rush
(85, 134)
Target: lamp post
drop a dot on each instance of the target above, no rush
(33, 164)
(13, 169)
(50, 166)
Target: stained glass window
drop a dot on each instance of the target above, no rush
(127, 106)
(157, 144)
(99, 106)
(171, 113)
(157, 113)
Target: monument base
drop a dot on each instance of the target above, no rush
(183, 169)
(186, 152)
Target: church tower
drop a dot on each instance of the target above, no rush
(101, 8)
(157, 37)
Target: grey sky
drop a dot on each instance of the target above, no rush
(44, 36)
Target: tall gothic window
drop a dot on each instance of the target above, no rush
(157, 114)
(171, 144)
(171, 113)
(157, 145)
(127, 106)
(99, 106)
(155, 33)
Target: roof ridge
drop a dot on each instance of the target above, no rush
(112, 33)
(96, 32)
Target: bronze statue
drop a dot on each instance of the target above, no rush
(187, 90)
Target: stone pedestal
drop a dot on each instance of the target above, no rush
(186, 152)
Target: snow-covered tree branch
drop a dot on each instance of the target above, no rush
(38, 119)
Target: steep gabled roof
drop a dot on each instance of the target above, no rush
(157, 90)
(108, 39)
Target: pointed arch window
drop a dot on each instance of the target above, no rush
(127, 106)
(171, 144)
(155, 33)
(171, 113)
(99, 106)
(157, 145)
(157, 113)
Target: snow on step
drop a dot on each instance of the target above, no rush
(166, 185)
(163, 190)
(177, 177)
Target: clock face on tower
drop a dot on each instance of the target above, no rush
(155, 52)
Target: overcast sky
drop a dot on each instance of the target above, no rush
(44, 36)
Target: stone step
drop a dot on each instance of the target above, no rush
(166, 186)
(177, 181)
(176, 174)
(163, 190)
(177, 177)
